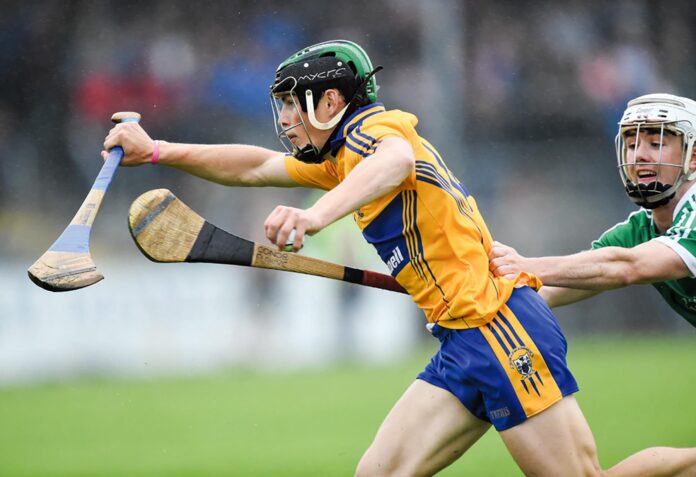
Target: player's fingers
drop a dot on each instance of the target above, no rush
(270, 227)
(104, 155)
(298, 239)
(496, 250)
(284, 235)
(123, 133)
(277, 226)
(114, 138)
(109, 142)
(497, 262)
(136, 143)
(299, 220)
(498, 270)
(501, 250)
(506, 271)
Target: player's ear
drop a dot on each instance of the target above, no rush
(334, 100)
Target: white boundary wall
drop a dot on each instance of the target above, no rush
(148, 319)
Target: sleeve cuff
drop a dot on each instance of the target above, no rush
(685, 255)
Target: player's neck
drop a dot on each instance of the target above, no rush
(662, 216)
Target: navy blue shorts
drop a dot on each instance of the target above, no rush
(509, 369)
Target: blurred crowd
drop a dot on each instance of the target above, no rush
(538, 79)
(568, 64)
(199, 71)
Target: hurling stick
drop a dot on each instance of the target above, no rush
(67, 264)
(167, 230)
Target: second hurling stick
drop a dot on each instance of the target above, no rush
(67, 264)
(167, 230)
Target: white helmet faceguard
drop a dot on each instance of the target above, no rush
(307, 74)
(657, 113)
(310, 152)
(282, 132)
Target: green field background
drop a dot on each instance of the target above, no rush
(635, 393)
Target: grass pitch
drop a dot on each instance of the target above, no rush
(635, 393)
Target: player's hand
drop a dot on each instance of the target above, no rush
(283, 220)
(136, 143)
(504, 261)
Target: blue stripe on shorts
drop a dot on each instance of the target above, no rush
(467, 366)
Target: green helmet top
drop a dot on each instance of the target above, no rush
(306, 75)
(321, 66)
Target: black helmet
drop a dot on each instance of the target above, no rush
(306, 74)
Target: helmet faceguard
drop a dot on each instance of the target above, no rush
(659, 114)
(307, 74)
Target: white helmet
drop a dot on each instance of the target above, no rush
(659, 112)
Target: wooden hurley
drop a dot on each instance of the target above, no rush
(67, 264)
(167, 230)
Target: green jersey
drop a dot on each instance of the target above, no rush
(681, 237)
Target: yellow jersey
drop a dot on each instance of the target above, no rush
(428, 230)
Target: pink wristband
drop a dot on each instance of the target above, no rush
(155, 153)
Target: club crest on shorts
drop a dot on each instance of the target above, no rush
(521, 360)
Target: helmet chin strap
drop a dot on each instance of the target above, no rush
(312, 154)
(313, 119)
(309, 154)
(652, 195)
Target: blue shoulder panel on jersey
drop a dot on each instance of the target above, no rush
(385, 232)
(346, 127)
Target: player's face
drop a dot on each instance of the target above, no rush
(292, 118)
(652, 156)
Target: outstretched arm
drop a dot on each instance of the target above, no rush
(559, 296)
(602, 269)
(372, 178)
(228, 164)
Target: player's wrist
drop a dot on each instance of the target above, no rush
(158, 152)
(154, 157)
(318, 219)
